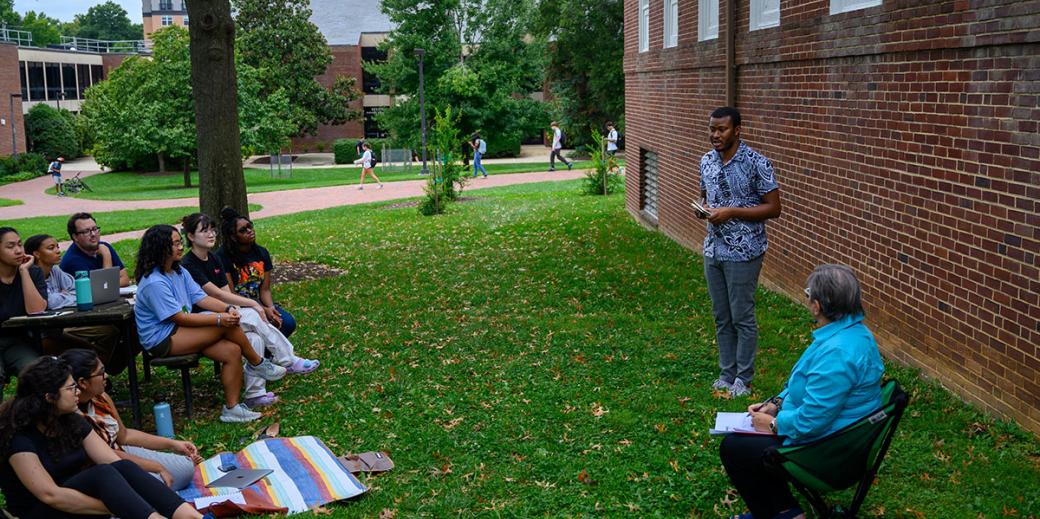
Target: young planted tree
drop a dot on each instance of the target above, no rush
(446, 179)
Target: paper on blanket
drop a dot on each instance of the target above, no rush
(726, 423)
(203, 502)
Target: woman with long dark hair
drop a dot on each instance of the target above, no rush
(22, 291)
(166, 325)
(48, 449)
(148, 451)
(249, 267)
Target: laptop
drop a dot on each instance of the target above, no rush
(104, 285)
(240, 478)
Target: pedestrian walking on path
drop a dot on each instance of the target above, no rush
(557, 148)
(367, 162)
(479, 149)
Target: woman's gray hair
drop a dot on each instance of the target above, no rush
(836, 288)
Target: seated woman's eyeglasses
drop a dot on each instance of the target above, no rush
(71, 388)
(245, 228)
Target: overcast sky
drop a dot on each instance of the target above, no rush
(65, 10)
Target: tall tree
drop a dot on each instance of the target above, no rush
(107, 21)
(213, 79)
(478, 59)
(586, 59)
(278, 38)
(45, 30)
(8, 16)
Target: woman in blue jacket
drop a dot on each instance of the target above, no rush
(836, 382)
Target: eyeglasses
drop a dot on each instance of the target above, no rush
(208, 231)
(807, 292)
(245, 228)
(92, 230)
(102, 374)
(178, 245)
(71, 388)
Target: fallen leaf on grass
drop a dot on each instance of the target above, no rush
(598, 410)
(320, 510)
(584, 478)
(388, 514)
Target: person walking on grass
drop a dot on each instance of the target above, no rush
(738, 193)
(366, 166)
(479, 149)
(55, 170)
(612, 145)
(557, 148)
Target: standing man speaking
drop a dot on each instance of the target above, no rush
(738, 194)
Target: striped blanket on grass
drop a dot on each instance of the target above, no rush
(305, 474)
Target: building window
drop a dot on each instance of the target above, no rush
(165, 5)
(372, 129)
(25, 80)
(185, 20)
(765, 14)
(369, 82)
(68, 81)
(844, 6)
(644, 25)
(166, 21)
(83, 71)
(97, 74)
(648, 187)
(671, 23)
(37, 87)
(707, 20)
(52, 75)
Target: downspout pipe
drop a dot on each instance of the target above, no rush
(731, 53)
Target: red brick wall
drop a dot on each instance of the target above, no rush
(346, 61)
(10, 83)
(905, 140)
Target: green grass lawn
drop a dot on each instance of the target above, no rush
(7, 202)
(110, 222)
(536, 352)
(136, 186)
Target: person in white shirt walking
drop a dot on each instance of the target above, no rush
(557, 147)
(366, 166)
(612, 140)
(479, 149)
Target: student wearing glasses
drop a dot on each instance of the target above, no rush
(54, 465)
(175, 468)
(88, 252)
(249, 267)
(166, 293)
(22, 291)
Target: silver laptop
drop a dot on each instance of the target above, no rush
(240, 478)
(104, 285)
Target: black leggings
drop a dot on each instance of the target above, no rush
(127, 491)
(764, 490)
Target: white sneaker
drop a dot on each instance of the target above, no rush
(739, 389)
(361, 187)
(380, 186)
(238, 414)
(266, 370)
(721, 385)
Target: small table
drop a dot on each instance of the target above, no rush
(119, 313)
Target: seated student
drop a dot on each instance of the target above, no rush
(88, 252)
(836, 381)
(22, 291)
(208, 273)
(165, 296)
(146, 450)
(249, 267)
(54, 465)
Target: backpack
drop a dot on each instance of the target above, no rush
(563, 137)
(374, 160)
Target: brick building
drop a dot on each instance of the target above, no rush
(904, 134)
(156, 14)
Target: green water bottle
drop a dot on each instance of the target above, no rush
(84, 299)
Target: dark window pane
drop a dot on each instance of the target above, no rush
(165, 5)
(68, 79)
(372, 129)
(97, 74)
(84, 79)
(25, 80)
(369, 82)
(37, 92)
(53, 72)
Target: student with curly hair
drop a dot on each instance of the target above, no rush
(45, 445)
(166, 325)
(249, 267)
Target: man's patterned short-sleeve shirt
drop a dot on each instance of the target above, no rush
(740, 183)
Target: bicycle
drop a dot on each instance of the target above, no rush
(75, 185)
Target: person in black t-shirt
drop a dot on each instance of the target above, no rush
(249, 266)
(22, 291)
(56, 467)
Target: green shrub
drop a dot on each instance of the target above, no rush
(503, 146)
(52, 132)
(603, 178)
(24, 166)
(345, 151)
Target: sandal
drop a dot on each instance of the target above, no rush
(301, 365)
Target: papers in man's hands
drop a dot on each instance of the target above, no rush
(726, 423)
(700, 210)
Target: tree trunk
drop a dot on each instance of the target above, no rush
(221, 182)
(162, 163)
(187, 171)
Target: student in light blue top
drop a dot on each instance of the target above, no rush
(165, 295)
(479, 149)
(836, 381)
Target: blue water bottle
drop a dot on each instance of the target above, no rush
(84, 300)
(163, 420)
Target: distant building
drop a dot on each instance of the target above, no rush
(157, 14)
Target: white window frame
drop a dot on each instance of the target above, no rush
(844, 6)
(762, 17)
(671, 23)
(644, 25)
(165, 21)
(707, 20)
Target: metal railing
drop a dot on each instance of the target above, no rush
(16, 36)
(102, 46)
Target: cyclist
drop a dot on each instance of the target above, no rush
(55, 170)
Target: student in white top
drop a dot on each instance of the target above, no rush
(557, 147)
(366, 166)
(612, 139)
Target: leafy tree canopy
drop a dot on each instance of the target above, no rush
(45, 30)
(478, 59)
(107, 21)
(52, 132)
(277, 38)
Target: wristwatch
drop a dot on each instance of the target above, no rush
(772, 426)
(229, 307)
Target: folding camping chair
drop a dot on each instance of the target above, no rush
(849, 456)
